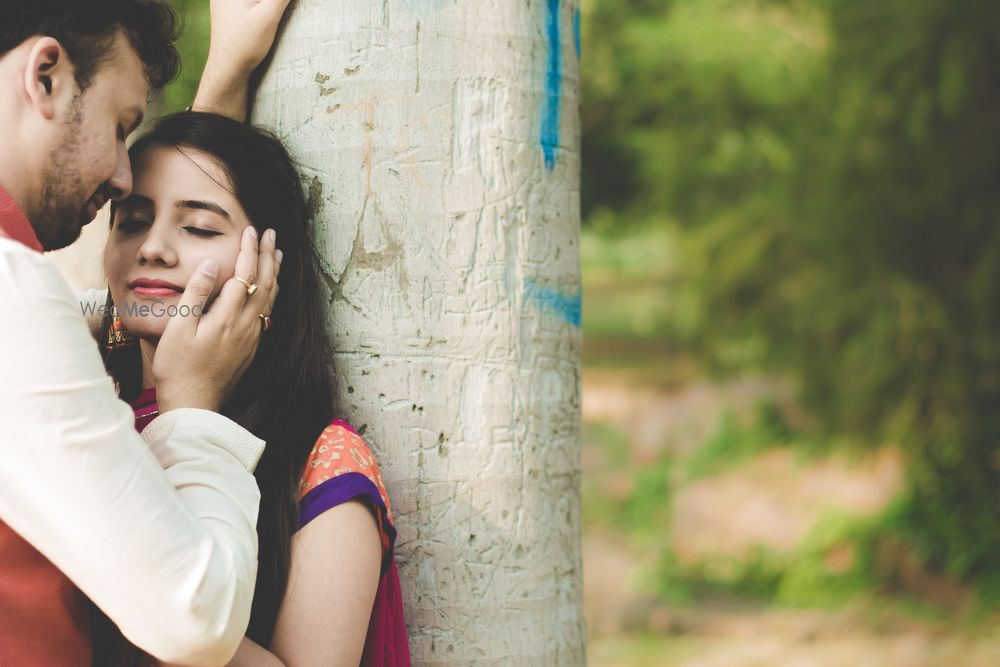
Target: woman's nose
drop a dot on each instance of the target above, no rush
(156, 247)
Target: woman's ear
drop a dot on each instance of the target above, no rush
(48, 76)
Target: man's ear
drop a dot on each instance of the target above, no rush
(48, 76)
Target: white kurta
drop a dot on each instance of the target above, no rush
(158, 529)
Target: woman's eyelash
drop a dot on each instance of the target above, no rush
(136, 224)
(206, 233)
(132, 225)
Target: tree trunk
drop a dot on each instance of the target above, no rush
(439, 144)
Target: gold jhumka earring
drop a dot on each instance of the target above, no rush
(118, 337)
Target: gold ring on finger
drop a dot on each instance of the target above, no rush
(251, 287)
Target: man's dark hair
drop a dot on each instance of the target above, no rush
(87, 31)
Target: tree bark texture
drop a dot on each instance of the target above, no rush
(439, 142)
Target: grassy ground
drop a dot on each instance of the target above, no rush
(639, 497)
(677, 467)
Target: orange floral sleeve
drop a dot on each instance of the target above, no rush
(341, 467)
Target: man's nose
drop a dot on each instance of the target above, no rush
(120, 184)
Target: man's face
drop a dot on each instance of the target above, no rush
(90, 164)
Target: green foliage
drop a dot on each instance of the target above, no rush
(612, 445)
(193, 47)
(805, 576)
(951, 518)
(844, 558)
(631, 499)
(648, 505)
(757, 577)
(814, 577)
(833, 565)
(827, 171)
(734, 443)
(628, 280)
(685, 103)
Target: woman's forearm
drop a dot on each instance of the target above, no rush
(249, 654)
(224, 94)
(252, 654)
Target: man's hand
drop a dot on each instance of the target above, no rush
(241, 37)
(202, 356)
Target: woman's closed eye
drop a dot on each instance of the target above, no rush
(134, 225)
(202, 232)
(131, 225)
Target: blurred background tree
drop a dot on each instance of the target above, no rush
(825, 171)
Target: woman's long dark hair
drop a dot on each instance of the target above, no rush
(285, 397)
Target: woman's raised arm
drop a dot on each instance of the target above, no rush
(241, 37)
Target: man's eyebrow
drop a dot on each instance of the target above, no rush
(203, 206)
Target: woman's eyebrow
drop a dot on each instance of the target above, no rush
(203, 206)
(136, 200)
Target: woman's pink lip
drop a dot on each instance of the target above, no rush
(155, 292)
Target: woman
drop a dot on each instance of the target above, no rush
(327, 587)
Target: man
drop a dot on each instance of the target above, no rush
(159, 529)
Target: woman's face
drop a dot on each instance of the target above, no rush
(180, 212)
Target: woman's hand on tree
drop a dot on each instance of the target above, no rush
(242, 35)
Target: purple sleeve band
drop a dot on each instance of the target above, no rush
(339, 490)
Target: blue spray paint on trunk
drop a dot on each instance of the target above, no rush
(567, 307)
(576, 31)
(553, 79)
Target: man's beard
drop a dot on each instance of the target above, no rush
(64, 198)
